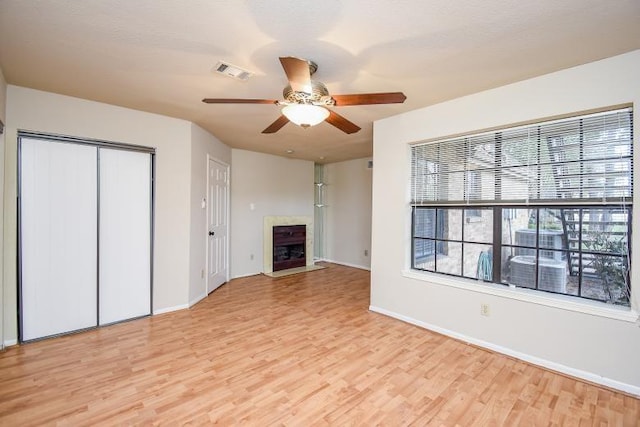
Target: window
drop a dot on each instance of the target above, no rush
(455, 243)
(473, 189)
(545, 206)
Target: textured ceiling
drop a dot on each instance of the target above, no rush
(157, 55)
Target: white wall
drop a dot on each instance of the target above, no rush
(275, 186)
(348, 212)
(203, 144)
(33, 110)
(602, 347)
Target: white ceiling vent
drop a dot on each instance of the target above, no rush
(232, 71)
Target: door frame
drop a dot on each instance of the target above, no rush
(206, 221)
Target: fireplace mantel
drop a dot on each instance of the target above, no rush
(270, 222)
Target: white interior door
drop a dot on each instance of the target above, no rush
(217, 223)
(125, 235)
(58, 234)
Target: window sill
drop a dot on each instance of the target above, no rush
(594, 308)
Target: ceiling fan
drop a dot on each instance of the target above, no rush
(305, 101)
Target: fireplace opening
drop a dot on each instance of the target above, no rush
(289, 246)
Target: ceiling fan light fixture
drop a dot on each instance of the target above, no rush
(305, 115)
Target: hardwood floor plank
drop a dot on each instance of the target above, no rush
(300, 350)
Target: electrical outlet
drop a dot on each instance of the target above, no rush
(366, 252)
(251, 257)
(202, 274)
(484, 310)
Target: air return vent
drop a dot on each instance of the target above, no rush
(232, 71)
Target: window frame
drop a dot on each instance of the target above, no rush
(472, 204)
(498, 246)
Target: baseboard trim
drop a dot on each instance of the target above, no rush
(197, 299)
(346, 264)
(9, 343)
(547, 364)
(170, 309)
(245, 275)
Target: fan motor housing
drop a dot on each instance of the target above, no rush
(319, 95)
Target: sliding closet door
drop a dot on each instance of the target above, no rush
(125, 235)
(58, 237)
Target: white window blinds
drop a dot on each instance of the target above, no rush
(581, 159)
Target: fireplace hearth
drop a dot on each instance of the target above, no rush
(289, 246)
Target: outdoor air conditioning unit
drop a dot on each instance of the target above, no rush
(549, 239)
(552, 274)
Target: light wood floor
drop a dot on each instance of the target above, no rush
(298, 350)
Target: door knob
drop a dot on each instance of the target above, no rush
(211, 233)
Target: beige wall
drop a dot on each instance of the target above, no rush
(3, 117)
(173, 139)
(555, 333)
(348, 212)
(3, 98)
(274, 185)
(203, 144)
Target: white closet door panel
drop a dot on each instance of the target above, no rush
(58, 237)
(125, 235)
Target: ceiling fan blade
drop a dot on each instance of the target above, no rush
(369, 98)
(341, 123)
(238, 101)
(298, 73)
(277, 125)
